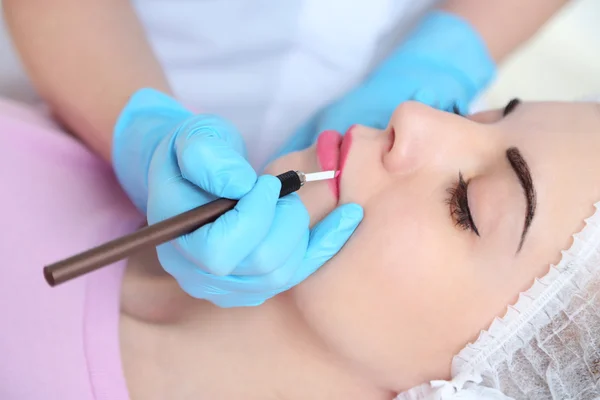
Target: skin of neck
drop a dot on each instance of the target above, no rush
(175, 346)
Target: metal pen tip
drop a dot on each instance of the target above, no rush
(321, 176)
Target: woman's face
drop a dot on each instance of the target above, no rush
(437, 257)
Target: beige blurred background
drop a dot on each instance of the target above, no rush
(561, 63)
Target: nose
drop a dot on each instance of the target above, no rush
(420, 135)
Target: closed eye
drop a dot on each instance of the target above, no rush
(458, 201)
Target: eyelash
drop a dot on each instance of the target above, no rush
(510, 106)
(458, 202)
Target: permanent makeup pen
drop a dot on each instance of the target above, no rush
(162, 232)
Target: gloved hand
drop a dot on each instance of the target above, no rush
(443, 63)
(170, 161)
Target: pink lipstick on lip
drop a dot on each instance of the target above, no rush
(328, 153)
(332, 150)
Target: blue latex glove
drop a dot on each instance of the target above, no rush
(170, 161)
(442, 63)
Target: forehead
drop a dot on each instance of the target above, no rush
(548, 115)
(573, 116)
(561, 144)
(561, 134)
(550, 130)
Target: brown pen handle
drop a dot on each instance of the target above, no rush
(152, 235)
(149, 236)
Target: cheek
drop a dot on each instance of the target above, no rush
(389, 297)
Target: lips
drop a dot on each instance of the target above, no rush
(332, 151)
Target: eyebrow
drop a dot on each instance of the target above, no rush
(521, 169)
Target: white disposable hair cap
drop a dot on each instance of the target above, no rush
(547, 346)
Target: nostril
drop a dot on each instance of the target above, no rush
(391, 139)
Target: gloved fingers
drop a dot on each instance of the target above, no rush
(280, 279)
(201, 284)
(214, 125)
(209, 156)
(169, 194)
(192, 278)
(267, 285)
(187, 274)
(327, 238)
(313, 250)
(221, 290)
(220, 246)
(426, 96)
(290, 223)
